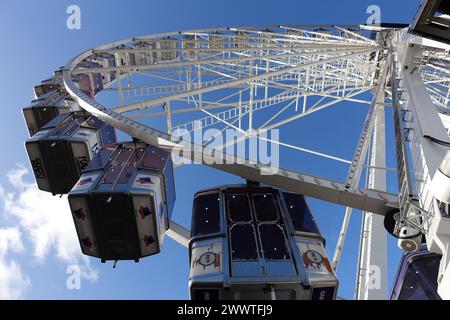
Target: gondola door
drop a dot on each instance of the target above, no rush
(257, 238)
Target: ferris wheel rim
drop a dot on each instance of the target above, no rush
(311, 185)
(91, 105)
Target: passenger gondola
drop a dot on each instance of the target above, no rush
(123, 202)
(257, 243)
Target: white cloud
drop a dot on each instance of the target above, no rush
(46, 222)
(13, 282)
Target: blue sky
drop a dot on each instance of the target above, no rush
(36, 41)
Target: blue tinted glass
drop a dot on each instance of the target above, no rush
(420, 279)
(243, 244)
(206, 215)
(56, 120)
(126, 174)
(108, 134)
(100, 159)
(273, 242)
(238, 208)
(301, 216)
(114, 171)
(265, 207)
(170, 186)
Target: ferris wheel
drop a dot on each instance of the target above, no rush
(163, 89)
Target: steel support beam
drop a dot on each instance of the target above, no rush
(356, 167)
(155, 102)
(179, 233)
(325, 189)
(372, 268)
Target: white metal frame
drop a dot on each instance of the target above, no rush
(297, 69)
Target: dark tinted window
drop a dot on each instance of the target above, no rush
(239, 208)
(205, 294)
(108, 134)
(64, 126)
(126, 174)
(137, 155)
(72, 129)
(114, 171)
(124, 156)
(100, 159)
(170, 187)
(55, 121)
(44, 115)
(112, 174)
(206, 215)
(154, 158)
(243, 245)
(265, 207)
(444, 209)
(273, 242)
(301, 216)
(420, 282)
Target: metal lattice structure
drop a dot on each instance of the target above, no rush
(294, 69)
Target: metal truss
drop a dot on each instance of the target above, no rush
(251, 80)
(233, 77)
(420, 91)
(420, 94)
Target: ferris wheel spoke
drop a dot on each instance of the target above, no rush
(267, 70)
(326, 74)
(261, 130)
(259, 105)
(316, 153)
(243, 109)
(154, 102)
(316, 108)
(243, 58)
(249, 80)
